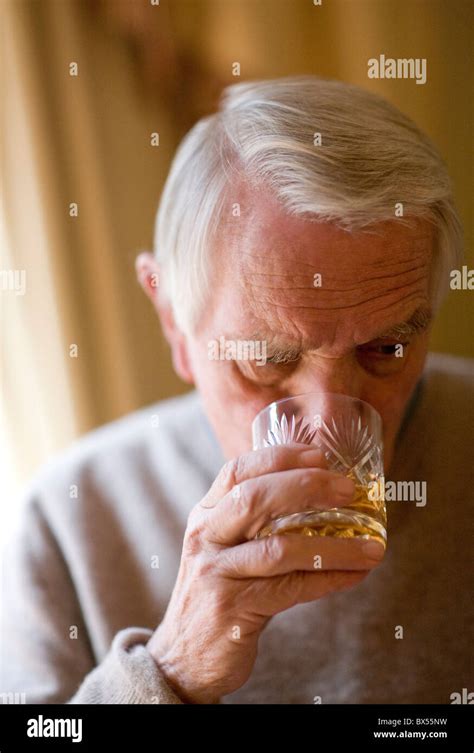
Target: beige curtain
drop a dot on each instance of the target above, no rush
(85, 139)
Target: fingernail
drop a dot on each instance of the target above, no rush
(373, 550)
(344, 487)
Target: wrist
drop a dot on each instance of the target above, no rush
(176, 678)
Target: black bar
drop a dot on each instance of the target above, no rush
(151, 727)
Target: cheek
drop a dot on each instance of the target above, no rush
(230, 402)
(391, 396)
(390, 400)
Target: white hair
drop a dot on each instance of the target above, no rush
(371, 157)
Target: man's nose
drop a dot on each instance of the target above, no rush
(329, 374)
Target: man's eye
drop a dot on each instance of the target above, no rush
(382, 358)
(388, 350)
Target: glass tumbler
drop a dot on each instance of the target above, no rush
(348, 431)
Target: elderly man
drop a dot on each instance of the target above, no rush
(315, 218)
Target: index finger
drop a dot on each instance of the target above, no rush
(260, 462)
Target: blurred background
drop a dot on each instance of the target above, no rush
(85, 139)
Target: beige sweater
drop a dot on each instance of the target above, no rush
(82, 593)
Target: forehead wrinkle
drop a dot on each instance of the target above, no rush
(400, 268)
(326, 289)
(385, 259)
(321, 299)
(278, 271)
(274, 275)
(350, 276)
(364, 283)
(343, 307)
(375, 278)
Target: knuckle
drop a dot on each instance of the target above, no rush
(233, 470)
(227, 472)
(243, 495)
(204, 565)
(192, 542)
(275, 548)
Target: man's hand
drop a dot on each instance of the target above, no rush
(230, 584)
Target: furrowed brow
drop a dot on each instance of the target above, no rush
(280, 351)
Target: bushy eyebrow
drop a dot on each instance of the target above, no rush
(418, 322)
(278, 350)
(281, 351)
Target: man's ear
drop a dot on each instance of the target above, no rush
(148, 275)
